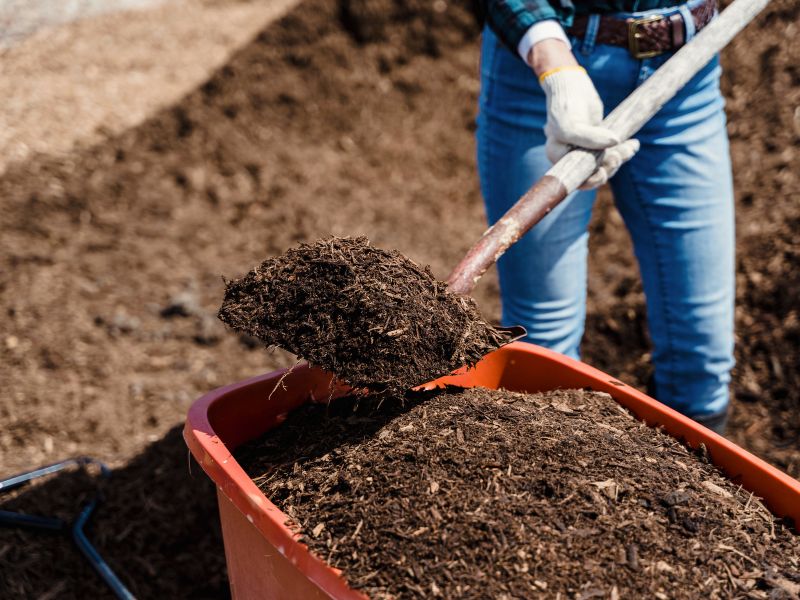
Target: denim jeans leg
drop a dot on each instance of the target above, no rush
(543, 276)
(677, 201)
(676, 197)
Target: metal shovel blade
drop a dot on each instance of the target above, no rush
(515, 332)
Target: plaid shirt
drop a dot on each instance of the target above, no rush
(510, 19)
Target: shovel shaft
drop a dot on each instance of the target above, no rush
(569, 173)
(528, 210)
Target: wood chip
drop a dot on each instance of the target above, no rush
(714, 488)
(609, 487)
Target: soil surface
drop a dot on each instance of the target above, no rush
(22, 18)
(376, 319)
(344, 118)
(155, 525)
(487, 494)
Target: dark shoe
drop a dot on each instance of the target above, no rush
(716, 422)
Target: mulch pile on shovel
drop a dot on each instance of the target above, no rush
(487, 494)
(373, 317)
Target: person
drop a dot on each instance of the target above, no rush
(549, 70)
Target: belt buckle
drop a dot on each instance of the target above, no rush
(634, 35)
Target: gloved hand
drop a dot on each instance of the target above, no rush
(574, 113)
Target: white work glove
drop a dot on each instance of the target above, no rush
(574, 114)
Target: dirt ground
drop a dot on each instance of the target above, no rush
(86, 81)
(344, 118)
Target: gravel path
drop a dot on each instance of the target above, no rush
(21, 18)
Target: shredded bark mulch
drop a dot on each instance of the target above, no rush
(487, 494)
(373, 317)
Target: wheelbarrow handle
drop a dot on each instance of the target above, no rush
(569, 173)
(81, 461)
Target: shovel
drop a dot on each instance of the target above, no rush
(569, 173)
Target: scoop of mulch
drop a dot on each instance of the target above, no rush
(485, 494)
(373, 317)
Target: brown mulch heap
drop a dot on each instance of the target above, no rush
(487, 494)
(373, 317)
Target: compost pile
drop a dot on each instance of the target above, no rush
(487, 494)
(373, 317)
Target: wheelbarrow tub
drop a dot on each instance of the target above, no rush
(265, 558)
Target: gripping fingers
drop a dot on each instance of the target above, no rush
(596, 179)
(621, 153)
(593, 137)
(555, 150)
(612, 160)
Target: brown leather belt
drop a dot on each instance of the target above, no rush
(646, 36)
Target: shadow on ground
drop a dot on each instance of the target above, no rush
(157, 527)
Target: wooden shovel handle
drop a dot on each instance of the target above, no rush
(569, 173)
(529, 210)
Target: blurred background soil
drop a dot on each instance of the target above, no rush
(94, 78)
(145, 155)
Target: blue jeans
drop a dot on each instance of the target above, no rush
(675, 196)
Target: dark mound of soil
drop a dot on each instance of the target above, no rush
(484, 494)
(373, 317)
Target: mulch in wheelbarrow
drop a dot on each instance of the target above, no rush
(492, 494)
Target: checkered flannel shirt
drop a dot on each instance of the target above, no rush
(511, 19)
